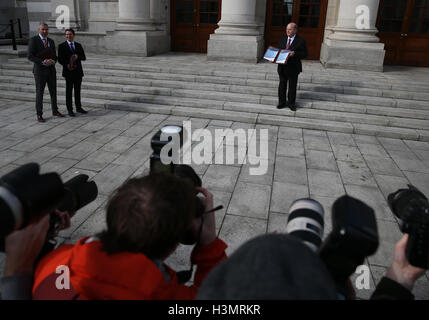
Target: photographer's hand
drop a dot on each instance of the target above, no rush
(22, 247)
(208, 229)
(401, 270)
(65, 219)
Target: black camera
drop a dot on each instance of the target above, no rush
(171, 135)
(184, 171)
(412, 207)
(354, 235)
(26, 195)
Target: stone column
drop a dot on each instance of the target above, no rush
(136, 32)
(353, 43)
(57, 11)
(240, 33)
(134, 15)
(102, 15)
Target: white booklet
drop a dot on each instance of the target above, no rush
(276, 55)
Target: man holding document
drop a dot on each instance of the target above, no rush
(290, 70)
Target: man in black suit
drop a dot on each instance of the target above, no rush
(293, 67)
(41, 51)
(70, 55)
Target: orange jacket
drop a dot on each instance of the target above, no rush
(96, 275)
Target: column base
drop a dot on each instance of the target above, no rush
(352, 55)
(137, 43)
(222, 47)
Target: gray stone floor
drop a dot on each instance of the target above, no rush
(111, 146)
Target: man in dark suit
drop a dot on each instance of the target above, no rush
(70, 55)
(41, 51)
(293, 67)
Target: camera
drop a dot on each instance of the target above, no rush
(174, 137)
(412, 208)
(354, 235)
(26, 195)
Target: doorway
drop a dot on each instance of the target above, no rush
(192, 22)
(310, 16)
(404, 29)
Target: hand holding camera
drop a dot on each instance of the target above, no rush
(401, 270)
(204, 226)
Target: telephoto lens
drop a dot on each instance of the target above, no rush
(306, 222)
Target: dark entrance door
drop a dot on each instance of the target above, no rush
(404, 29)
(308, 14)
(192, 22)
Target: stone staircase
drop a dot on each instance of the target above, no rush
(394, 105)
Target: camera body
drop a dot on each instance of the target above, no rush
(412, 208)
(182, 171)
(354, 235)
(170, 132)
(26, 195)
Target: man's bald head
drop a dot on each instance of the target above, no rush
(291, 29)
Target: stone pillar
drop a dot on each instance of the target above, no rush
(240, 33)
(352, 43)
(136, 32)
(102, 15)
(73, 10)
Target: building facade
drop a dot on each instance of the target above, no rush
(351, 34)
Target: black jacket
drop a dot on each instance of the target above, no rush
(294, 65)
(37, 53)
(64, 55)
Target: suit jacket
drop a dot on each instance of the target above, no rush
(37, 53)
(64, 55)
(294, 65)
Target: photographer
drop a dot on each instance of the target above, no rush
(146, 219)
(400, 277)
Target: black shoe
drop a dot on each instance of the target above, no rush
(40, 119)
(292, 107)
(57, 114)
(281, 106)
(80, 110)
(71, 114)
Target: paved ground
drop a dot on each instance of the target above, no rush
(111, 146)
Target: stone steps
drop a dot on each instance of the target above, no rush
(255, 81)
(372, 105)
(237, 93)
(339, 111)
(235, 77)
(301, 119)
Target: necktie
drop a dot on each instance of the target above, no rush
(288, 44)
(72, 46)
(45, 42)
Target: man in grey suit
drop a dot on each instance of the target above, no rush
(41, 51)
